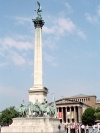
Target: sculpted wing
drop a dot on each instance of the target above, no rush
(38, 4)
(40, 8)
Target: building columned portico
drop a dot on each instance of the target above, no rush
(70, 114)
(70, 111)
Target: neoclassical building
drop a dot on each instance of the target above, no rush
(71, 109)
(97, 104)
(86, 99)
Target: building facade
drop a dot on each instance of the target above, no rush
(71, 109)
(97, 104)
(89, 100)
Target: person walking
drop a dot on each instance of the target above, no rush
(76, 128)
(87, 129)
(66, 128)
(82, 129)
(59, 128)
(0, 128)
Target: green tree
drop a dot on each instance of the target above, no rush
(7, 115)
(88, 117)
(97, 113)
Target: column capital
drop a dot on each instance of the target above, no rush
(38, 23)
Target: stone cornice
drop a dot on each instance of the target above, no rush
(45, 90)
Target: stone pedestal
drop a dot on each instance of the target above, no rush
(32, 125)
(39, 93)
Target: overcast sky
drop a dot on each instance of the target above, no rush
(71, 48)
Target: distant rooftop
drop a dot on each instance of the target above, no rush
(98, 101)
(81, 95)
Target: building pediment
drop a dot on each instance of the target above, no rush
(66, 101)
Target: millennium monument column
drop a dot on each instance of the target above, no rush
(38, 91)
(38, 116)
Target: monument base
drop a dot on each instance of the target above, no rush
(32, 125)
(37, 92)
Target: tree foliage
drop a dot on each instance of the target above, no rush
(97, 109)
(7, 115)
(88, 117)
(97, 113)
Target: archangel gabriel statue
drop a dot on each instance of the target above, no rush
(39, 10)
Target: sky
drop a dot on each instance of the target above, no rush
(71, 48)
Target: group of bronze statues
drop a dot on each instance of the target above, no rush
(37, 109)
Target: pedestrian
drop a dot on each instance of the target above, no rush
(76, 128)
(72, 128)
(66, 128)
(87, 129)
(82, 129)
(59, 128)
(93, 128)
(98, 127)
(79, 128)
(0, 128)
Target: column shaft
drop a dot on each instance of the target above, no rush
(38, 57)
(75, 115)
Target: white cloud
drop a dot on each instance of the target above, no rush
(3, 64)
(69, 8)
(13, 50)
(13, 43)
(50, 59)
(51, 45)
(22, 20)
(60, 26)
(63, 26)
(98, 10)
(48, 30)
(16, 58)
(16, 45)
(66, 25)
(82, 35)
(94, 18)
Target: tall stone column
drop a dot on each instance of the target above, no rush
(38, 91)
(58, 112)
(70, 115)
(66, 114)
(62, 114)
(38, 55)
(75, 114)
(79, 114)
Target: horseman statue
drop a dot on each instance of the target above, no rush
(43, 109)
(37, 109)
(22, 110)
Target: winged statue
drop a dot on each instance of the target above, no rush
(39, 10)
